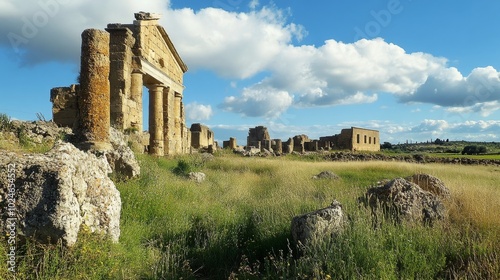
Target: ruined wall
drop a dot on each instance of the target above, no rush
(126, 107)
(299, 143)
(230, 144)
(287, 146)
(256, 135)
(277, 146)
(311, 146)
(64, 105)
(365, 139)
(345, 140)
(201, 136)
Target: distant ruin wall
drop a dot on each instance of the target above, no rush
(201, 136)
(345, 139)
(65, 105)
(230, 144)
(365, 139)
(256, 135)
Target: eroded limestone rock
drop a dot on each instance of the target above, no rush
(39, 132)
(60, 191)
(326, 175)
(402, 200)
(431, 184)
(198, 177)
(312, 227)
(121, 158)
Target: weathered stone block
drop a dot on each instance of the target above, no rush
(311, 228)
(59, 192)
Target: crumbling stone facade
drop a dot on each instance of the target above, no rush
(258, 137)
(202, 137)
(65, 105)
(354, 139)
(134, 55)
(230, 144)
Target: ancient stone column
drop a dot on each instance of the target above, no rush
(168, 120)
(156, 119)
(94, 99)
(136, 94)
(178, 123)
(136, 85)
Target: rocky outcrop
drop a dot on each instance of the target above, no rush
(313, 227)
(39, 132)
(326, 175)
(402, 200)
(58, 192)
(431, 184)
(121, 158)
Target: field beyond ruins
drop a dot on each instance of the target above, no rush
(236, 224)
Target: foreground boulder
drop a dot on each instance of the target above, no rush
(312, 227)
(431, 184)
(58, 192)
(402, 200)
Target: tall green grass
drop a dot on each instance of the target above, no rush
(236, 225)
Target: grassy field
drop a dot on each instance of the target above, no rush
(236, 225)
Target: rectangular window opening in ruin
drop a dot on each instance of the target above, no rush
(365, 139)
(374, 140)
(369, 140)
(358, 138)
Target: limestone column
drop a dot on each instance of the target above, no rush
(94, 99)
(156, 119)
(178, 123)
(168, 120)
(186, 142)
(136, 94)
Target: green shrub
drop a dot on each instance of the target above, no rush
(5, 124)
(183, 168)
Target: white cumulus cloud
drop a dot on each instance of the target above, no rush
(236, 45)
(198, 112)
(49, 30)
(259, 102)
(260, 43)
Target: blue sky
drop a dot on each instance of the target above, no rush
(415, 70)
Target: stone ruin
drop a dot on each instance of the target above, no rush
(259, 138)
(202, 137)
(230, 144)
(353, 139)
(115, 65)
